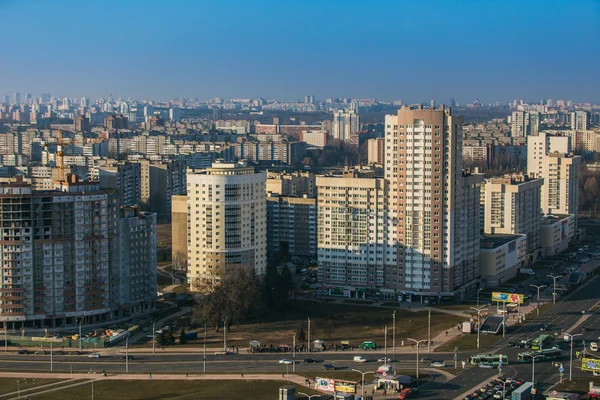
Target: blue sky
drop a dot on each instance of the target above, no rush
(411, 50)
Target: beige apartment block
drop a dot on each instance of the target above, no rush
(226, 221)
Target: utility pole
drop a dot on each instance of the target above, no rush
(571, 336)
(479, 310)
(80, 337)
(533, 358)
(294, 354)
(429, 333)
(418, 343)
(538, 296)
(51, 358)
(554, 278)
(225, 335)
(394, 336)
(127, 354)
(455, 357)
(385, 345)
(362, 380)
(5, 337)
(204, 359)
(153, 336)
(308, 348)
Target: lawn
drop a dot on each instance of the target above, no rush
(333, 323)
(9, 385)
(469, 342)
(174, 390)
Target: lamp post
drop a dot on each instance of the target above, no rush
(554, 278)
(204, 352)
(394, 336)
(127, 354)
(479, 310)
(308, 343)
(153, 336)
(225, 335)
(51, 358)
(80, 338)
(19, 389)
(294, 354)
(309, 396)
(363, 380)
(561, 370)
(571, 336)
(429, 332)
(385, 346)
(538, 287)
(5, 336)
(533, 358)
(418, 343)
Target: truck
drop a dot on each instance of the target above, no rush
(523, 392)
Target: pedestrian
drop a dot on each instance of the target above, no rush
(150, 376)
(186, 375)
(446, 333)
(283, 374)
(242, 375)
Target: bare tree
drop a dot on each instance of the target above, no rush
(180, 261)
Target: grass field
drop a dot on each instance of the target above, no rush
(469, 342)
(174, 390)
(9, 385)
(334, 323)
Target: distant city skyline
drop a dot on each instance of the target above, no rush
(493, 51)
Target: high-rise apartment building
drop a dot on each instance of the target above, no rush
(580, 120)
(434, 204)
(291, 225)
(345, 123)
(125, 177)
(525, 123)
(511, 205)
(376, 151)
(227, 224)
(64, 256)
(293, 184)
(17, 98)
(549, 158)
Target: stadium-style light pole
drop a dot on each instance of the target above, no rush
(478, 310)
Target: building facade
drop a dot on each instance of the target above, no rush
(500, 257)
(227, 224)
(291, 225)
(376, 151)
(345, 123)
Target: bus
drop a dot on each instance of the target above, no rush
(541, 355)
(493, 359)
(539, 342)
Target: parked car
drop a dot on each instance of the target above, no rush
(94, 355)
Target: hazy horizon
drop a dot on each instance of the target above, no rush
(414, 51)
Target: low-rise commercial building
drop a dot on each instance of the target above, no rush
(556, 233)
(500, 257)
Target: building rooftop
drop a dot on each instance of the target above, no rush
(554, 218)
(492, 241)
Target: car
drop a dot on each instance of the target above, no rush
(285, 361)
(94, 355)
(58, 353)
(359, 359)
(426, 359)
(487, 366)
(329, 367)
(544, 328)
(310, 361)
(75, 353)
(23, 351)
(221, 353)
(128, 358)
(511, 344)
(384, 360)
(438, 364)
(40, 352)
(594, 346)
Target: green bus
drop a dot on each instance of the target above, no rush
(539, 342)
(493, 359)
(541, 355)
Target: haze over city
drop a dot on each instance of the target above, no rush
(417, 51)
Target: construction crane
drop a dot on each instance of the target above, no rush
(60, 164)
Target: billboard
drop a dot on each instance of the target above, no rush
(590, 364)
(335, 386)
(514, 298)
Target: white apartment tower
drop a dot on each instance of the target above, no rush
(549, 158)
(345, 123)
(227, 225)
(580, 120)
(525, 124)
(511, 205)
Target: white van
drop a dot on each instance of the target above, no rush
(359, 359)
(594, 346)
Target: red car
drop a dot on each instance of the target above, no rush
(406, 393)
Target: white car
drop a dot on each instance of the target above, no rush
(359, 359)
(285, 361)
(94, 355)
(221, 353)
(438, 364)
(487, 366)
(384, 360)
(594, 346)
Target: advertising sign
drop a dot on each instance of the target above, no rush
(590, 364)
(513, 298)
(325, 384)
(345, 387)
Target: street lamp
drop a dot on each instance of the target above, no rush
(571, 336)
(385, 345)
(19, 389)
(294, 353)
(127, 354)
(533, 358)
(225, 335)
(80, 338)
(308, 343)
(478, 291)
(309, 396)
(394, 336)
(554, 278)
(478, 310)
(363, 380)
(538, 287)
(561, 370)
(153, 336)
(418, 343)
